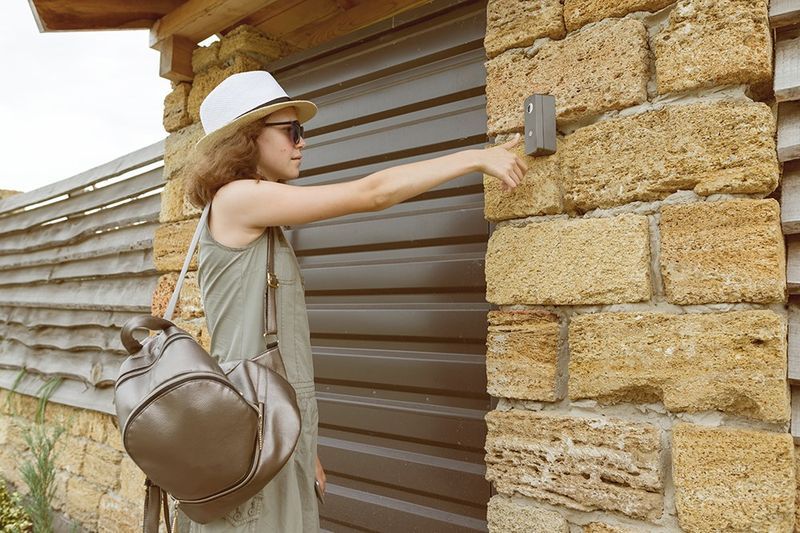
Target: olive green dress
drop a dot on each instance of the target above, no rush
(232, 284)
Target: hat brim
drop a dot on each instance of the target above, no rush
(305, 111)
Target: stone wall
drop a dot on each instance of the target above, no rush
(638, 348)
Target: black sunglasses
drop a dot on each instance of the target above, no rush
(296, 131)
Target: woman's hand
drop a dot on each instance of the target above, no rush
(504, 165)
(320, 475)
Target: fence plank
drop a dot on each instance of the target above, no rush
(123, 294)
(75, 207)
(69, 339)
(34, 317)
(783, 13)
(131, 263)
(142, 210)
(69, 392)
(787, 70)
(139, 237)
(93, 367)
(126, 163)
(788, 131)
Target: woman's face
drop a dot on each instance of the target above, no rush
(277, 153)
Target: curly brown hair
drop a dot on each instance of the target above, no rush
(230, 158)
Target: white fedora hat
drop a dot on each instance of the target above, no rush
(242, 98)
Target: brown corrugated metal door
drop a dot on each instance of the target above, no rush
(396, 298)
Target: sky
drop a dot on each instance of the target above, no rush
(70, 101)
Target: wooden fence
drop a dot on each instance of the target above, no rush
(76, 262)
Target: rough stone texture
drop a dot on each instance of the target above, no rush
(723, 252)
(250, 41)
(70, 453)
(714, 42)
(206, 81)
(177, 148)
(198, 329)
(175, 204)
(579, 463)
(171, 244)
(522, 355)
(131, 481)
(189, 304)
(83, 500)
(517, 23)
(598, 527)
(176, 115)
(591, 71)
(720, 147)
(570, 262)
(797, 484)
(506, 515)
(539, 192)
(733, 362)
(733, 479)
(118, 516)
(204, 57)
(578, 13)
(101, 465)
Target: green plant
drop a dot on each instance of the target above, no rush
(13, 518)
(39, 474)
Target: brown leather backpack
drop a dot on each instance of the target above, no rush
(210, 434)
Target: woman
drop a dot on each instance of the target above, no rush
(252, 148)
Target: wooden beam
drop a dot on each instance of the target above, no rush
(176, 58)
(787, 70)
(197, 20)
(788, 131)
(784, 13)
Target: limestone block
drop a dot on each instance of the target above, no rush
(733, 479)
(507, 515)
(204, 57)
(205, 81)
(101, 465)
(189, 303)
(70, 453)
(118, 516)
(517, 23)
(590, 71)
(581, 463)
(175, 203)
(723, 252)
(714, 42)
(60, 480)
(196, 328)
(539, 192)
(578, 13)
(83, 500)
(797, 484)
(570, 262)
(599, 527)
(171, 244)
(720, 147)
(733, 362)
(178, 148)
(131, 481)
(251, 42)
(176, 114)
(113, 434)
(522, 355)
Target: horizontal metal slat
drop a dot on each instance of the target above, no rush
(34, 317)
(447, 426)
(96, 367)
(77, 205)
(437, 127)
(132, 263)
(344, 505)
(143, 210)
(445, 372)
(70, 392)
(118, 294)
(415, 273)
(456, 321)
(464, 224)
